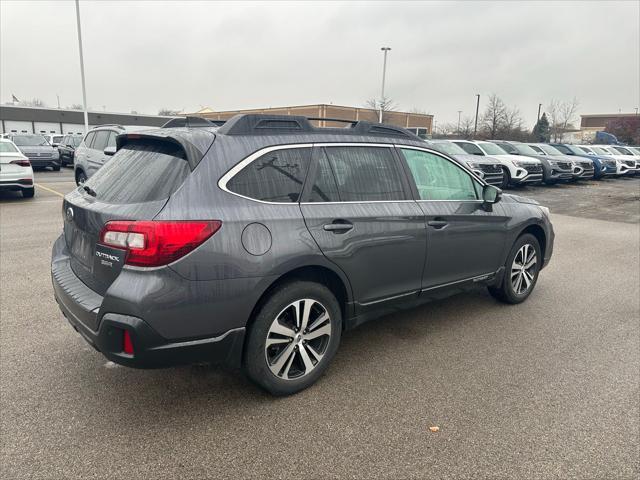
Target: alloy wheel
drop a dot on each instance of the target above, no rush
(298, 339)
(523, 269)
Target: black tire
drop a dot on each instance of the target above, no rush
(28, 192)
(506, 292)
(56, 168)
(255, 363)
(81, 177)
(506, 178)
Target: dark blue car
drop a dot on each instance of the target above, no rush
(603, 166)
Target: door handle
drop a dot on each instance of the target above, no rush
(437, 223)
(338, 226)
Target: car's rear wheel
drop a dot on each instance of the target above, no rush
(56, 168)
(521, 271)
(81, 177)
(28, 192)
(293, 337)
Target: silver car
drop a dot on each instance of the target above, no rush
(37, 149)
(97, 147)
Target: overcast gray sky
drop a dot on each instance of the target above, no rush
(182, 55)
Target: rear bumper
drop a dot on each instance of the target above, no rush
(104, 330)
(16, 184)
(44, 162)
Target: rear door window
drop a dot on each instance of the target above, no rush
(141, 172)
(276, 176)
(358, 174)
(471, 148)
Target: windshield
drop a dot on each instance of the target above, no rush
(450, 148)
(75, 141)
(622, 150)
(29, 140)
(601, 151)
(574, 149)
(585, 149)
(6, 147)
(525, 149)
(507, 147)
(492, 149)
(636, 150)
(549, 150)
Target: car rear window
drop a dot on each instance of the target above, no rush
(276, 176)
(141, 172)
(6, 147)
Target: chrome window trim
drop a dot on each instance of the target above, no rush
(222, 183)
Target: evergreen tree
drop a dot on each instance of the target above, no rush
(541, 131)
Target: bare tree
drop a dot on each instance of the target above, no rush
(168, 112)
(386, 105)
(466, 128)
(76, 106)
(35, 102)
(561, 116)
(494, 116)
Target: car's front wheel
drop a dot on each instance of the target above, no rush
(506, 178)
(521, 271)
(81, 177)
(293, 337)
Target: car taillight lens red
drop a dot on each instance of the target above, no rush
(152, 244)
(127, 344)
(22, 163)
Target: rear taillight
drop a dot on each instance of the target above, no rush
(152, 244)
(22, 163)
(127, 343)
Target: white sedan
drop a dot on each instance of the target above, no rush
(15, 169)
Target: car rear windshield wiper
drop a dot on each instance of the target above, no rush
(89, 190)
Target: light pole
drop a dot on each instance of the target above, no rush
(539, 107)
(84, 90)
(475, 126)
(459, 113)
(384, 73)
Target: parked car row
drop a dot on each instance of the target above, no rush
(508, 163)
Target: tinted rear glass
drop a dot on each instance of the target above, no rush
(365, 174)
(140, 172)
(276, 176)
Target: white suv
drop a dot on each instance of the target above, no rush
(97, 147)
(517, 168)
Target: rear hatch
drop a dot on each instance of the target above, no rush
(134, 185)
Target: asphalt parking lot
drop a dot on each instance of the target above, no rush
(546, 389)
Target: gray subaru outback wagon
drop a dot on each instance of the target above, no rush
(256, 243)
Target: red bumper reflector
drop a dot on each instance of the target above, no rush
(127, 344)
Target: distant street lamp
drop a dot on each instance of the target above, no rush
(384, 73)
(84, 90)
(475, 126)
(539, 107)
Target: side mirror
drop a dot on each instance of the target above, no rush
(491, 194)
(110, 151)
